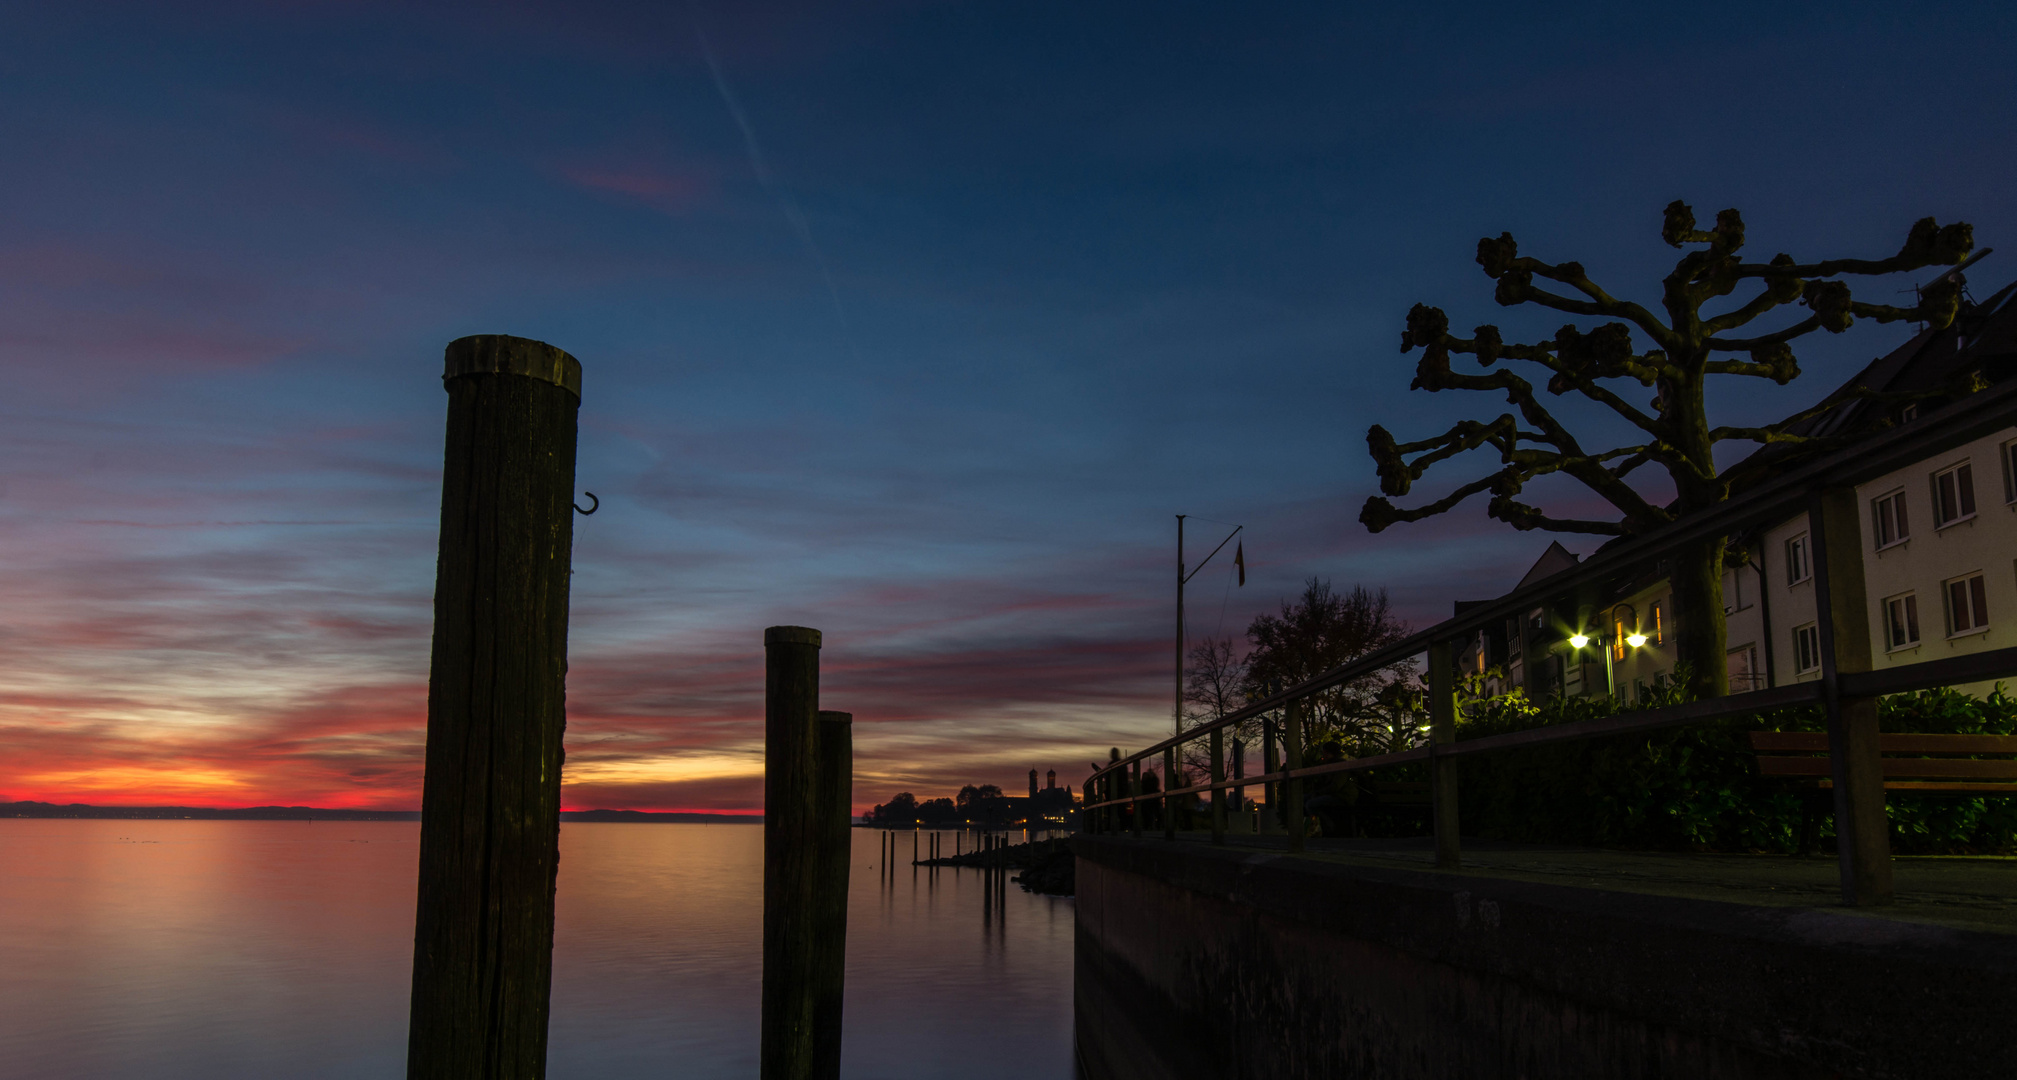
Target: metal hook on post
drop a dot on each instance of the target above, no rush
(594, 504)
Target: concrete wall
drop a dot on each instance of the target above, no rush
(1195, 962)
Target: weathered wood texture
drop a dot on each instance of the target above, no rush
(496, 709)
(1443, 770)
(793, 843)
(836, 800)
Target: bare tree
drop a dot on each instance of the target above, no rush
(1318, 631)
(1215, 683)
(1682, 350)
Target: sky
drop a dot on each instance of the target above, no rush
(913, 322)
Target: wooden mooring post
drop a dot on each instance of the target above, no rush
(496, 709)
(796, 835)
(835, 747)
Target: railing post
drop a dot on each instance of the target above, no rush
(1218, 793)
(1135, 789)
(1117, 779)
(1238, 804)
(1862, 831)
(1271, 792)
(1169, 801)
(1443, 770)
(1292, 788)
(794, 845)
(496, 708)
(836, 801)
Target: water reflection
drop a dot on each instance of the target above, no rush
(260, 949)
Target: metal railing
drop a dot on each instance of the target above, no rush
(1848, 687)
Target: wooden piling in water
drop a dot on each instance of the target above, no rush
(835, 748)
(496, 710)
(793, 843)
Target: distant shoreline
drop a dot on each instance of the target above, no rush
(312, 813)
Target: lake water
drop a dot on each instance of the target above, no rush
(215, 949)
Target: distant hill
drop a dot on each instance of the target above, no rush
(311, 813)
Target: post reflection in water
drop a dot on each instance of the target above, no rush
(144, 949)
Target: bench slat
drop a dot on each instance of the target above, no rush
(1901, 767)
(1932, 785)
(1902, 743)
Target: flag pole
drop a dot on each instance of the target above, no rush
(1177, 711)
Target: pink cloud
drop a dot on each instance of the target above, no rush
(663, 190)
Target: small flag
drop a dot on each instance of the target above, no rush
(1240, 560)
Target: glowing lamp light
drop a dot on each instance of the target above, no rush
(1577, 641)
(1635, 640)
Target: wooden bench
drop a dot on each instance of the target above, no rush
(1929, 764)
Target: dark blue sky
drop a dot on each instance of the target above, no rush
(912, 322)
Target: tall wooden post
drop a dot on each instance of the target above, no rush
(1292, 788)
(835, 772)
(1218, 740)
(794, 843)
(1862, 830)
(496, 710)
(1443, 770)
(1169, 800)
(1269, 762)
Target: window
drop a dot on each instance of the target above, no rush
(1733, 592)
(1797, 569)
(1967, 605)
(1901, 621)
(1806, 648)
(2010, 471)
(1743, 666)
(1953, 495)
(1659, 622)
(1908, 413)
(1887, 519)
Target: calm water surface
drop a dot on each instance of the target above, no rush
(213, 949)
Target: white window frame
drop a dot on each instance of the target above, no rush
(1812, 631)
(1908, 412)
(1976, 590)
(1964, 494)
(1754, 678)
(1803, 562)
(1909, 602)
(1901, 520)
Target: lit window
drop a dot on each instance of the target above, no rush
(1806, 648)
(1967, 605)
(1659, 622)
(1888, 521)
(1901, 621)
(1953, 495)
(1797, 569)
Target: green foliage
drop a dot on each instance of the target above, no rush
(1697, 788)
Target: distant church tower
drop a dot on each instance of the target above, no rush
(1051, 780)
(1033, 783)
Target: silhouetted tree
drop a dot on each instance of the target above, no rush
(1320, 630)
(1684, 349)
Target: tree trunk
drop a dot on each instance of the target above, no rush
(1700, 636)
